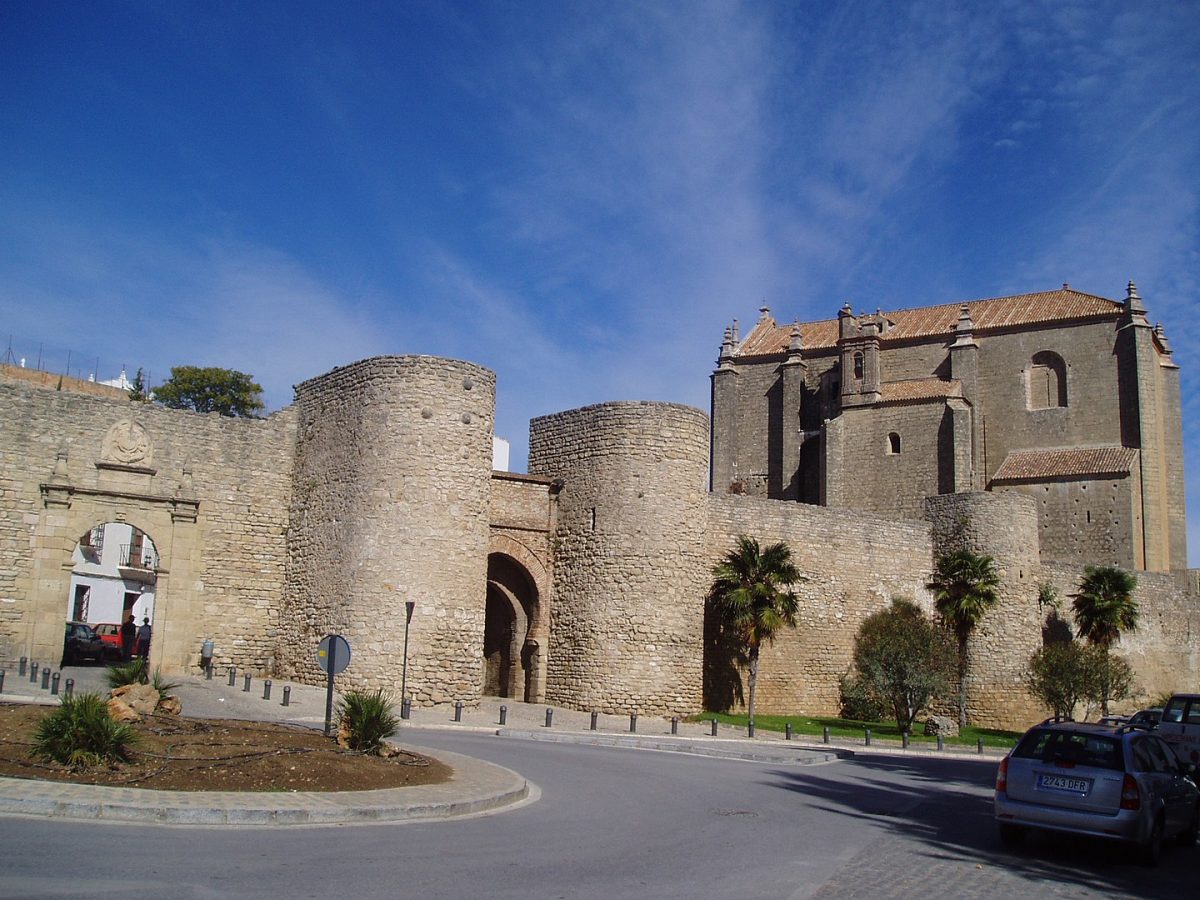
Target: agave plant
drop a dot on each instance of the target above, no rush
(81, 733)
(369, 717)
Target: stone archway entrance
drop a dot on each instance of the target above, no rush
(114, 575)
(513, 658)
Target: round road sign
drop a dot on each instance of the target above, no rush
(335, 648)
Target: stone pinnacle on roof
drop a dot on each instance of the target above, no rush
(1161, 335)
(795, 344)
(1133, 302)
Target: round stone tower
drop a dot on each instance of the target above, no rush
(390, 504)
(1004, 526)
(630, 573)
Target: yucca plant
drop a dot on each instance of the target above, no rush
(368, 717)
(81, 733)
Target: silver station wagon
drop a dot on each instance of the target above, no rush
(1116, 782)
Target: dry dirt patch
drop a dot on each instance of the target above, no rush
(178, 754)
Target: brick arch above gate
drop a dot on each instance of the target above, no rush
(536, 562)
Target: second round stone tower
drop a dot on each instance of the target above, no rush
(630, 571)
(390, 504)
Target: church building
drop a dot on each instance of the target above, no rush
(1067, 397)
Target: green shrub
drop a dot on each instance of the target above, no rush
(132, 672)
(857, 701)
(368, 717)
(81, 733)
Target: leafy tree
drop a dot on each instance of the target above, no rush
(904, 657)
(137, 390)
(1062, 675)
(964, 589)
(1104, 608)
(210, 389)
(752, 594)
(1058, 677)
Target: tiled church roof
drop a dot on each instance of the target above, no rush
(1025, 465)
(1063, 304)
(919, 389)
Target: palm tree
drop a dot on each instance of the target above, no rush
(1104, 608)
(752, 593)
(964, 588)
(1104, 605)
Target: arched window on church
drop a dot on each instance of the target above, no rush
(894, 443)
(1047, 381)
(858, 365)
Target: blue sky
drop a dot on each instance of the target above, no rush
(580, 196)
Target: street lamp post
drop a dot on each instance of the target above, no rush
(408, 611)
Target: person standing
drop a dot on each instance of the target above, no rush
(128, 636)
(143, 638)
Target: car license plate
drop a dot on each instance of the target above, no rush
(1063, 783)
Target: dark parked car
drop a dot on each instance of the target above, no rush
(1118, 782)
(82, 642)
(1147, 718)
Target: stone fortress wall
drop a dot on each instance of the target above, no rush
(630, 566)
(392, 482)
(211, 492)
(376, 488)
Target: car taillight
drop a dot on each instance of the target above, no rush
(1131, 797)
(1002, 777)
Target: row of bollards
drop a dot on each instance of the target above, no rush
(247, 679)
(49, 682)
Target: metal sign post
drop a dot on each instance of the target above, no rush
(333, 655)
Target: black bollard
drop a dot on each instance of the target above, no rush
(24, 662)
(825, 734)
(232, 675)
(46, 678)
(904, 740)
(979, 745)
(750, 728)
(33, 673)
(632, 722)
(70, 688)
(406, 708)
(1, 680)
(787, 731)
(674, 724)
(503, 714)
(549, 717)
(458, 705)
(595, 717)
(868, 737)
(246, 683)
(53, 682)
(267, 689)
(287, 695)
(941, 745)
(714, 727)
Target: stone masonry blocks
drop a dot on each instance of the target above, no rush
(391, 490)
(630, 569)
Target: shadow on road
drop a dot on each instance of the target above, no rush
(942, 811)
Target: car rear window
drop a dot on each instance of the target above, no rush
(1096, 750)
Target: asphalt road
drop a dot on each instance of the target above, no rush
(615, 823)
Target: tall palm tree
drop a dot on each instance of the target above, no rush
(1104, 605)
(1104, 608)
(752, 593)
(964, 589)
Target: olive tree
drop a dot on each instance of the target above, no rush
(905, 659)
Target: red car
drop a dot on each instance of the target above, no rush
(111, 635)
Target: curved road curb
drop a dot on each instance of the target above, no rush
(476, 787)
